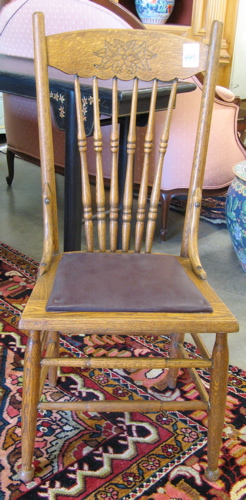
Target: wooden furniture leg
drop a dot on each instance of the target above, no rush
(31, 381)
(54, 338)
(175, 339)
(165, 204)
(166, 198)
(217, 399)
(10, 163)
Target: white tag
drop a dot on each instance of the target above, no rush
(191, 55)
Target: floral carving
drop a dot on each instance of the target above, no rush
(125, 56)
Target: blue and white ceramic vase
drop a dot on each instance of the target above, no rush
(236, 212)
(154, 11)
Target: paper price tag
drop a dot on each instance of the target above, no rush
(191, 55)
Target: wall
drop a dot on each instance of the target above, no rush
(238, 73)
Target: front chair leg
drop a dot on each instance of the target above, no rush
(217, 399)
(30, 398)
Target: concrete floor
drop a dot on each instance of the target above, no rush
(21, 228)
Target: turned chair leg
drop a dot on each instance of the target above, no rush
(53, 337)
(175, 339)
(218, 393)
(30, 398)
(10, 163)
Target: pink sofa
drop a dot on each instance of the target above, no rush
(224, 150)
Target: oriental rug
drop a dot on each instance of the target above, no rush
(103, 456)
(212, 210)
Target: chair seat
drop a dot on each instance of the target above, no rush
(35, 315)
(138, 282)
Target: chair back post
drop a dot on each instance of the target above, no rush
(128, 192)
(100, 189)
(114, 146)
(143, 189)
(155, 194)
(51, 245)
(190, 234)
(85, 181)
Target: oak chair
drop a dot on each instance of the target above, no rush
(120, 292)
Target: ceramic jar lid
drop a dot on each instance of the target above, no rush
(240, 170)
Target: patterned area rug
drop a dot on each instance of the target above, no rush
(213, 209)
(103, 456)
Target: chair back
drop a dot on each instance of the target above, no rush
(109, 61)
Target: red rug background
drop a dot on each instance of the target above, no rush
(107, 456)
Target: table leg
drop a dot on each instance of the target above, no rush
(122, 164)
(72, 195)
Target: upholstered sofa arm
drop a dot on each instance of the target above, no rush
(224, 94)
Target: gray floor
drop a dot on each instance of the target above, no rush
(21, 228)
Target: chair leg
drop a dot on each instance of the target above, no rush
(54, 337)
(217, 399)
(175, 339)
(30, 398)
(10, 163)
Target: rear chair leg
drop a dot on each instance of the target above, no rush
(217, 399)
(175, 339)
(54, 337)
(30, 398)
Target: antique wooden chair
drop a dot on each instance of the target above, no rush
(121, 292)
